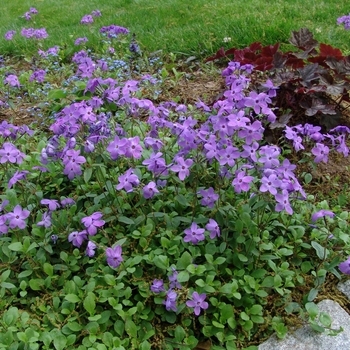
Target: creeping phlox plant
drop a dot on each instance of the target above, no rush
(134, 225)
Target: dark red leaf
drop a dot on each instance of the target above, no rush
(328, 50)
(230, 51)
(270, 50)
(256, 46)
(303, 39)
(219, 54)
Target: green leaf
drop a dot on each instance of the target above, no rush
(179, 334)
(72, 298)
(325, 319)
(183, 276)
(312, 309)
(256, 309)
(56, 94)
(242, 258)
(74, 326)
(5, 275)
(87, 175)
(110, 279)
(244, 316)
(131, 328)
(312, 294)
(125, 220)
(184, 261)
(7, 285)
(220, 260)
(321, 252)
(268, 282)
(16, 247)
(59, 341)
(217, 324)
(89, 303)
(48, 269)
(182, 200)
(161, 261)
(36, 283)
(307, 178)
(257, 319)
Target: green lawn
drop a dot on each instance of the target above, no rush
(192, 27)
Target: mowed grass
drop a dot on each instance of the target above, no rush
(195, 27)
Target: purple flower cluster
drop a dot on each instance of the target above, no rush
(32, 11)
(113, 31)
(34, 33)
(9, 153)
(197, 301)
(9, 35)
(14, 219)
(38, 76)
(12, 80)
(80, 41)
(345, 20)
(52, 51)
(87, 19)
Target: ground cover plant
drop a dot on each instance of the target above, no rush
(130, 222)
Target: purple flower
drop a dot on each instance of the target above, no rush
(270, 184)
(150, 190)
(127, 181)
(92, 222)
(9, 153)
(52, 203)
(170, 302)
(344, 266)
(117, 147)
(90, 249)
(77, 238)
(133, 149)
(322, 213)
(17, 217)
(67, 201)
(79, 41)
(197, 303)
(113, 30)
(283, 202)
(18, 175)
(157, 286)
(96, 13)
(33, 10)
(87, 19)
(174, 283)
(209, 197)
(38, 75)
(114, 256)
(12, 80)
(72, 161)
(194, 234)
(156, 164)
(182, 167)
(3, 226)
(9, 35)
(54, 239)
(345, 20)
(242, 182)
(45, 220)
(321, 152)
(213, 227)
(257, 101)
